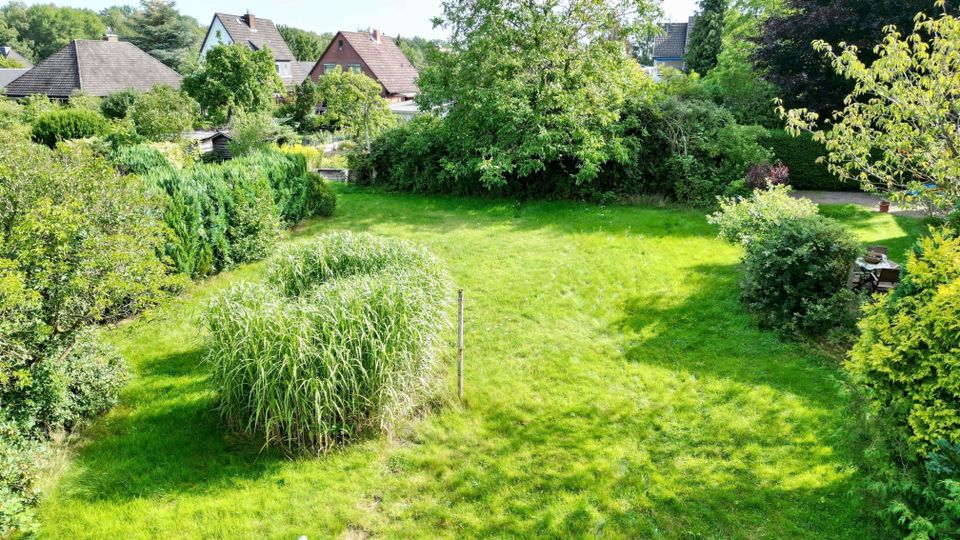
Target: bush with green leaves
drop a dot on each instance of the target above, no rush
(800, 155)
(343, 338)
(795, 276)
(744, 220)
(907, 364)
(79, 246)
(66, 124)
(164, 113)
(20, 459)
(115, 106)
(138, 159)
(321, 200)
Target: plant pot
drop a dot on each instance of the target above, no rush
(884, 206)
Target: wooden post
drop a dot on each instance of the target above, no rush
(460, 344)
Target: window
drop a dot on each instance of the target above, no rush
(355, 68)
(330, 68)
(340, 45)
(283, 69)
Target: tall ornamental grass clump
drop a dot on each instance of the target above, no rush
(342, 339)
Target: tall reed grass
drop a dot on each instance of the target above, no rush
(343, 338)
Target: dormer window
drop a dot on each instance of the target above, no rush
(283, 69)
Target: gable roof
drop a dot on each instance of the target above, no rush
(96, 68)
(263, 33)
(8, 75)
(672, 42)
(12, 54)
(385, 59)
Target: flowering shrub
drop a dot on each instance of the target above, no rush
(765, 175)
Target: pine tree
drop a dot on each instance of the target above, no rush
(165, 34)
(706, 36)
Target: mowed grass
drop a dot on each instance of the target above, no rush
(614, 388)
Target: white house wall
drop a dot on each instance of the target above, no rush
(217, 35)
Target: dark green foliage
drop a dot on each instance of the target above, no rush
(410, 157)
(706, 38)
(19, 465)
(65, 124)
(343, 339)
(162, 32)
(228, 213)
(800, 155)
(46, 28)
(321, 200)
(795, 276)
(117, 104)
(137, 159)
(906, 361)
(804, 78)
(305, 45)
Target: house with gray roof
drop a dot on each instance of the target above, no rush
(9, 53)
(94, 68)
(671, 45)
(256, 33)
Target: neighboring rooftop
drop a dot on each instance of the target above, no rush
(8, 75)
(11, 54)
(257, 33)
(672, 42)
(385, 59)
(95, 68)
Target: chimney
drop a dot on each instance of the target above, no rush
(250, 20)
(110, 36)
(375, 36)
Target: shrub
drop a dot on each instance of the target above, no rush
(116, 105)
(765, 175)
(795, 276)
(743, 220)
(163, 113)
(65, 124)
(343, 338)
(19, 466)
(800, 155)
(138, 159)
(906, 363)
(321, 200)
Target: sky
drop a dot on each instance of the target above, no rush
(393, 17)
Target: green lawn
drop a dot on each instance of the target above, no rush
(614, 388)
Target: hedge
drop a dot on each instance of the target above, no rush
(65, 124)
(800, 155)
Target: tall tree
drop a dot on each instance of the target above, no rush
(46, 28)
(305, 45)
(786, 57)
(706, 38)
(231, 78)
(354, 105)
(161, 31)
(530, 85)
(119, 19)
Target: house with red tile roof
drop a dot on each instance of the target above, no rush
(374, 55)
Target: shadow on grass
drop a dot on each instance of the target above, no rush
(177, 445)
(447, 214)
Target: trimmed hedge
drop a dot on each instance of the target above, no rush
(223, 214)
(342, 339)
(65, 124)
(800, 155)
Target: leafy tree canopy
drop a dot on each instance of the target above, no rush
(530, 84)
(45, 28)
(899, 132)
(160, 30)
(231, 78)
(706, 37)
(163, 113)
(305, 45)
(354, 104)
(805, 78)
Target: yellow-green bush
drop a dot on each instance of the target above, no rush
(907, 362)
